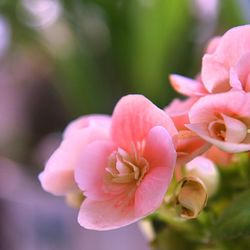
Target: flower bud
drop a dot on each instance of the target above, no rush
(191, 197)
(205, 170)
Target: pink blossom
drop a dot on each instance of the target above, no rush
(189, 143)
(223, 120)
(58, 175)
(227, 64)
(125, 178)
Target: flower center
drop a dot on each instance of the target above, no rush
(228, 129)
(123, 168)
(217, 129)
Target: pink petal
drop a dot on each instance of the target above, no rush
(201, 130)
(159, 149)
(58, 182)
(213, 44)
(187, 86)
(179, 107)
(247, 86)
(82, 122)
(235, 82)
(133, 117)
(241, 72)
(178, 111)
(58, 175)
(105, 215)
(233, 45)
(214, 74)
(91, 169)
(161, 156)
(234, 104)
(189, 147)
(236, 130)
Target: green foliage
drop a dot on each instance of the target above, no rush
(223, 225)
(146, 40)
(235, 220)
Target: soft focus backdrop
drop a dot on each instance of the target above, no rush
(63, 59)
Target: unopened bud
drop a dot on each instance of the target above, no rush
(205, 170)
(191, 197)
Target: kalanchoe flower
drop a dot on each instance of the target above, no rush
(126, 177)
(223, 120)
(58, 175)
(227, 66)
(189, 144)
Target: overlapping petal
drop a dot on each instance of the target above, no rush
(58, 175)
(133, 117)
(187, 86)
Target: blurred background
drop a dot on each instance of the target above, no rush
(63, 59)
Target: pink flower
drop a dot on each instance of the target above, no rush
(227, 64)
(58, 175)
(189, 144)
(223, 120)
(125, 178)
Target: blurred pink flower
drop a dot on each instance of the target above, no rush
(58, 175)
(223, 120)
(125, 178)
(189, 144)
(227, 64)
(219, 157)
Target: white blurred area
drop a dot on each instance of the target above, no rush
(41, 13)
(206, 12)
(5, 36)
(45, 17)
(205, 9)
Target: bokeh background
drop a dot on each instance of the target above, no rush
(63, 59)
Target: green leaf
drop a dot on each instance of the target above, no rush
(235, 220)
(171, 240)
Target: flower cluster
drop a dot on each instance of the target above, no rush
(118, 168)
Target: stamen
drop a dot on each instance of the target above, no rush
(124, 169)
